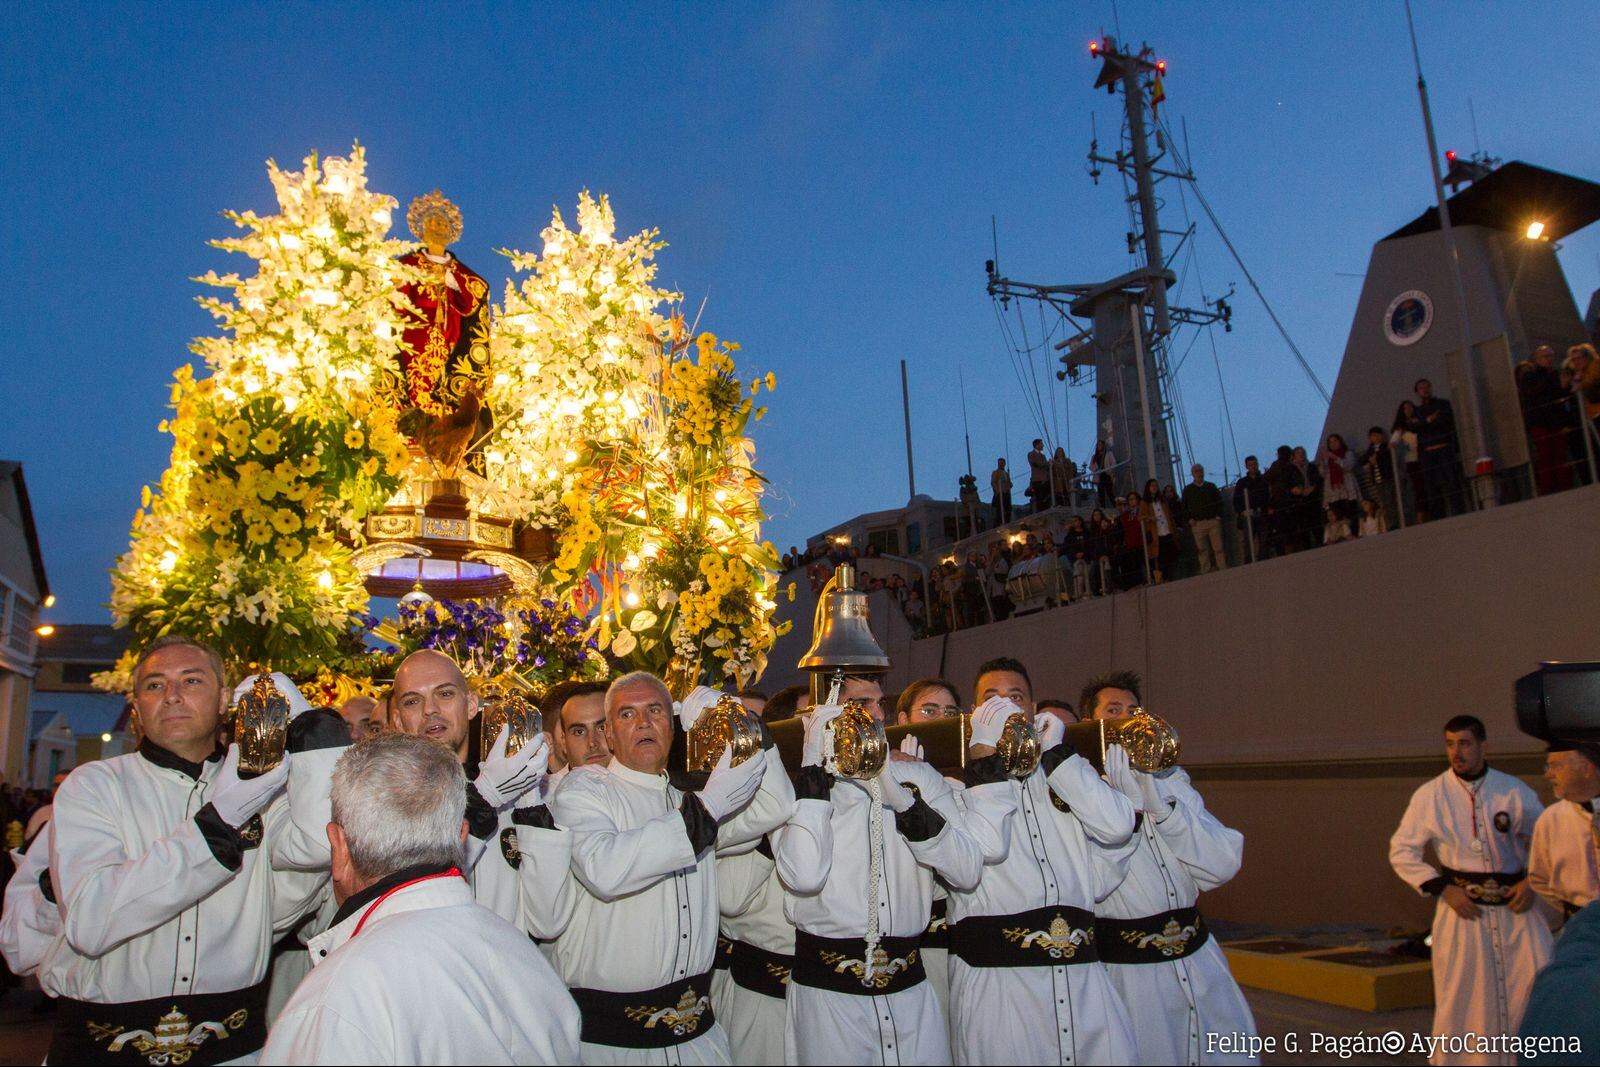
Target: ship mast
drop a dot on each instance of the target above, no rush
(1132, 321)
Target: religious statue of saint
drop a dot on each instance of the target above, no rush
(444, 352)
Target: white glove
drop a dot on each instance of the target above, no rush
(1052, 731)
(989, 721)
(691, 707)
(895, 794)
(502, 778)
(539, 763)
(730, 788)
(297, 701)
(911, 748)
(816, 730)
(1137, 786)
(237, 799)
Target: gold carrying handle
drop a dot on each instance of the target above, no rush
(726, 723)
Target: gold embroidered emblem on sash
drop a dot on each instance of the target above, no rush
(174, 1041)
(1061, 941)
(683, 1018)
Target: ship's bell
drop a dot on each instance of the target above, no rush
(841, 640)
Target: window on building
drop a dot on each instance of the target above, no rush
(913, 538)
(82, 673)
(950, 529)
(885, 541)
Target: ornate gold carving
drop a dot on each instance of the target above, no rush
(727, 723)
(261, 726)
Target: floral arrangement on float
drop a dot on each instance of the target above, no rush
(616, 427)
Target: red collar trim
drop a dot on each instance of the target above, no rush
(453, 872)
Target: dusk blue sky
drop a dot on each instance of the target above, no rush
(824, 174)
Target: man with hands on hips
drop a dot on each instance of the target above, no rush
(857, 861)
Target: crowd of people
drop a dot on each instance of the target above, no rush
(1101, 536)
(387, 895)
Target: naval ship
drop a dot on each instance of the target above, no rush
(1309, 689)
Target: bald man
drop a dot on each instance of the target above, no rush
(506, 812)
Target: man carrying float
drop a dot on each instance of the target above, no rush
(638, 948)
(172, 872)
(1170, 971)
(1026, 981)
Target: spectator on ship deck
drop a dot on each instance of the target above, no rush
(1000, 486)
(1252, 496)
(1376, 471)
(1403, 440)
(1337, 468)
(1545, 415)
(1100, 467)
(1439, 451)
(1584, 363)
(1202, 505)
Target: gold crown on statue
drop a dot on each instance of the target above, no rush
(434, 206)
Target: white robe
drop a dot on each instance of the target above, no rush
(1564, 860)
(433, 977)
(1042, 857)
(1483, 968)
(1179, 1001)
(824, 859)
(751, 899)
(30, 923)
(147, 909)
(522, 873)
(648, 912)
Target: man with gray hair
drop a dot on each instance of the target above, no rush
(414, 970)
(641, 933)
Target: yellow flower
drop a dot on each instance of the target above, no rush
(354, 438)
(268, 441)
(290, 549)
(285, 521)
(309, 465)
(258, 533)
(772, 381)
(370, 467)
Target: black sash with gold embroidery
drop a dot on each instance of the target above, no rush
(1492, 888)
(651, 1018)
(1172, 935)
(760, 971)
(937, 935)
(839, 964)
(1043, 937)
(196, 1030)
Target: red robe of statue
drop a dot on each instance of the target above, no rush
(448, 346)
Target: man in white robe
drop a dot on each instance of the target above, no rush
(858, 861)
(163, 863)
(30, 922)
(413, 969)
(638, 945)
(1172, 975)
(516, 854)
(1026, 982)
(1489, 936)
(1564, 860)
(750, 984)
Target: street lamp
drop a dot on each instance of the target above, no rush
(1535, 230)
